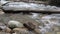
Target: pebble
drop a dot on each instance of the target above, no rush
(58, 32)
(1, 12)
(19, 29)
(8, 30)
(14, 33)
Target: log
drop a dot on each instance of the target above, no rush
(29, 7)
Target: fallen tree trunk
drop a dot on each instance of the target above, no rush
(29, 7)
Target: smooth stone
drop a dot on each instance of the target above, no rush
(19, 29)
(8, 30)
(15, 23)
(1, 12)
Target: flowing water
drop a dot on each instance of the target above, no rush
(49, 21)
(45, 22)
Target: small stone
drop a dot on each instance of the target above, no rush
(50, 33)
(37, 31)
(8, 30)
(58, 32)
(14, 33)
(56, 28)
(1, 11)
(7, 33)
(19, 29)
(2, 28)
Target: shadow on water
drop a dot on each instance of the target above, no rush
(28, 12)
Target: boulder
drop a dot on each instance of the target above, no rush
(14, 24)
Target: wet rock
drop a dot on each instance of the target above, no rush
(8, 30)
(7, 33)
(14, 33)
(1, 12)
(3, 33)
(20, 30)
(50, 33)
(14, 24)
(29, 25)
(37, 31)
(2, 27)
(58, 32)
(56, 28)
